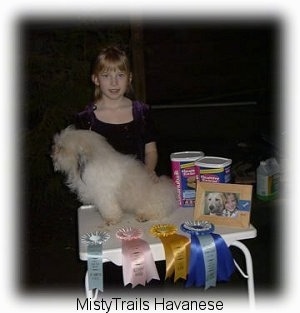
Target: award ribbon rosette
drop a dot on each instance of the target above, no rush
(176, 249)
(138, 262)
(210, 257)
(94, 243)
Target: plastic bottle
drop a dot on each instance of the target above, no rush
(267, 180)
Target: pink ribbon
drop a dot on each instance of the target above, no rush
(138, 263)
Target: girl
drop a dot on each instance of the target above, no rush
(126, 124)
(231, 208)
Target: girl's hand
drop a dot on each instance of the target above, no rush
(153, 176)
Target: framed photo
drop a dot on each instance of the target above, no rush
(223, 204)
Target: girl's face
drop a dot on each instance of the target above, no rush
(113, 83)
(231, 203)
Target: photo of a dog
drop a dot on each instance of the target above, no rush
(115, 183)
(215, 203)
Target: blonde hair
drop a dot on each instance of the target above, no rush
(111, 59)
(227, 194)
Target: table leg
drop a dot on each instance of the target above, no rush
(249, 271)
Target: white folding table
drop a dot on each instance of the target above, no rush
(89, 220)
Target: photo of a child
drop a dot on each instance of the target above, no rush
(231, 204)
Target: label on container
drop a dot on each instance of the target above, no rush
(268, 179)
(267, 185)
(213, 175)
(184, 176)
(185, 180)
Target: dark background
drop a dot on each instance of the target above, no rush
(213, 85)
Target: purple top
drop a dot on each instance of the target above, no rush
(127, 138)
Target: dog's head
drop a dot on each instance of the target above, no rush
(215, 203)
(72, 149)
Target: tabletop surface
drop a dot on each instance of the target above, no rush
(89, 220)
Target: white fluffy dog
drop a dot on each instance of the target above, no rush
(113, 182)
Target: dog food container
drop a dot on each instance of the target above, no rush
(184, 176)
(213, 169)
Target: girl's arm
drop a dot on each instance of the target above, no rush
(151, 157)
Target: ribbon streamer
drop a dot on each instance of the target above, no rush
(138, 262)
(210, 257)
(176, 250)
(209, 252)
(94, 243)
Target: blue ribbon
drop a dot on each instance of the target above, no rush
(225, 262)
(94, 243)
(196, 274)
(95, 267)
(210, 259)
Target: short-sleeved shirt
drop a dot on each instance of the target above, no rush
(127, 138)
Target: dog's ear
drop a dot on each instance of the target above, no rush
(81, 163)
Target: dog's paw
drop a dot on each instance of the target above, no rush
(142, 218)
(111, 221)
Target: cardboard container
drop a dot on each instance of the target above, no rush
(184, 175)
(212, 169)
